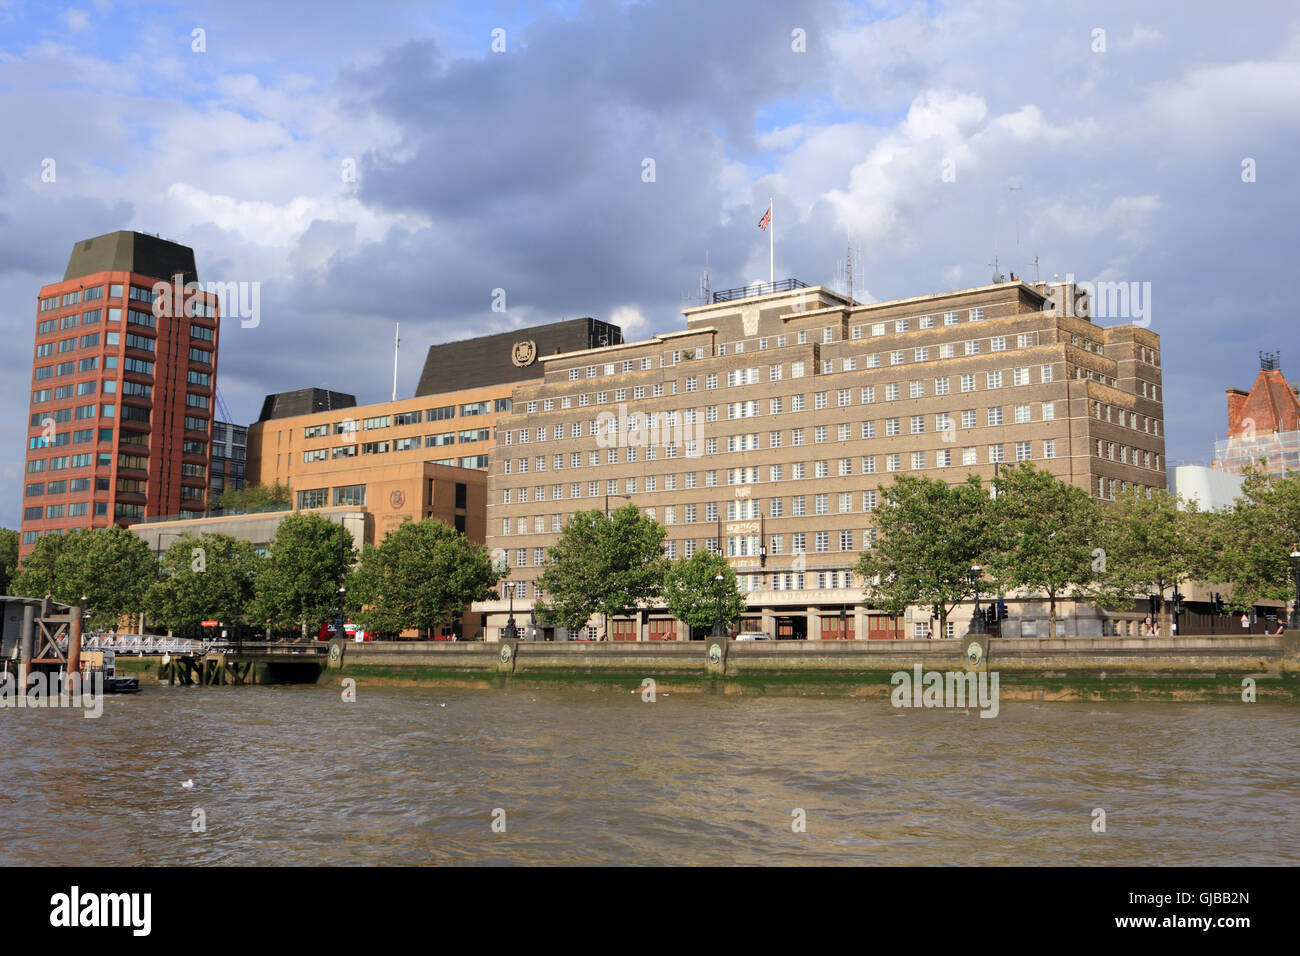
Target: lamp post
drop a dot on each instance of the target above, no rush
(719, 627)
(608, 496)
(977, 621)
(511, 631)
(1295, 580)
(338, 621)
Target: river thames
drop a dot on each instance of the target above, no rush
(580, 775)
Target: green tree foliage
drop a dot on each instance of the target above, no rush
(602, 564)
(1150, 546)
(929, 536)
(255, 497)
(299, 580)
(1042, 535)
(8, 557)
(690, 590)
(206, 577)
(423, 574)
(111, 567)
(1251, 542)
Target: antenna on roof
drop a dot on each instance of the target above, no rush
(1016, 190)
(1268, 361)
(997, 272)
(396, 341)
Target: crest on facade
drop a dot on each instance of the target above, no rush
(524, 353)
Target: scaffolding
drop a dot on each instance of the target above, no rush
(1273, 453)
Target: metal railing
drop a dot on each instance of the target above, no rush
(758, 288)
(219, 513)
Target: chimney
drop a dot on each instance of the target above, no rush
(1236, 402)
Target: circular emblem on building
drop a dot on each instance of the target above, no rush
(397, 499)
(524, 353)
(505, 653)
(715, 654)
(974, 651)
(335, 653)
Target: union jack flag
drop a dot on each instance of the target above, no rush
(766, 220)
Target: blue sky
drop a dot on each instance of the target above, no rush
(522, 169)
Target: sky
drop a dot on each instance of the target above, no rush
(382, 163)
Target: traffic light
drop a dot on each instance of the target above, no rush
(1218, 603)
(1002, 610)
(990, 615)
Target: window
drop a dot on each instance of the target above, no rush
(995, 453)
(917, 424)
(1023, 414)
(968, 383)
(1049, 448)
(350, 495)
(916, 389)
(1022, 451)
(918, 460)
(968, 456)
(1045, 373)
(995, 416)
(891, 392)
(973, 347)
(993, 379)
(1020, 376)
(977, 315)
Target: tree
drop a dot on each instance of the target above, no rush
(690, 590)
(1252, 541)
(8, 558)
(606, 564)
(421, 575)
(1042, 534)
(299, 581)
(209, 576)
(111, 567)
(1149, 544)
(255, 497)
(929, 537)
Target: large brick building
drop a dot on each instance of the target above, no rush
(767, 428)
(122, 392)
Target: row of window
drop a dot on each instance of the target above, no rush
(352, 495)
(828, 334)
(399, 419)
(916, 388)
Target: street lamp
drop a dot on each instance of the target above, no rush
(1295, 580)
(511, 632)
(338, 621)
(719, 628)
(608, 496)
(977, 622)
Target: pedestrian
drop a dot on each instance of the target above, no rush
(1281, 626)
(1156, 630)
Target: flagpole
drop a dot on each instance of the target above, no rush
(771, 242)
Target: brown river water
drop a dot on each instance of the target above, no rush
(295, 775)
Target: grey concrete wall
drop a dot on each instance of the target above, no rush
(1163, 656)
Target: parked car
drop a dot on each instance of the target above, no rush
(754, 636)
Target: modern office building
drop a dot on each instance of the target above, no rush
(1263, 424)
(306, 439)
(769, 426)
(229, 456)
(122, 388)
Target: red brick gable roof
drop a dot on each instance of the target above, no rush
(1271, 406)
